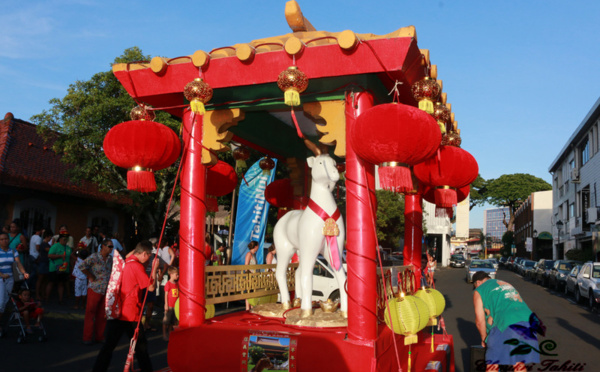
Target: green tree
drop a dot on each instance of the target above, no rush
(390, 218)
(511, 190)
(477, 194)
(508, 239)
(82, 118)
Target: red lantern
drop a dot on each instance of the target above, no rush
(442, 114)
(280, 194)
(241, 154)
(142, 147)
(198, 92)
(341, 167)
(141, 112)
(426, 92)
(266, 164)
(451, 169)
(395, 136)
(292, 82)
(221, 179)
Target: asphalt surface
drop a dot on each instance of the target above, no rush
(64, 349)
(573, 327)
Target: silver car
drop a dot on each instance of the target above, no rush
(571, 281)
(588, 284)
(480, 265)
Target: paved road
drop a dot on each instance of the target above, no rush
(574, 328)
(64, 350)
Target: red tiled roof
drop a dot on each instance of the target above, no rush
(27, 161)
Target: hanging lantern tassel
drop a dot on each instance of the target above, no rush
(140, 179)
(445, 197)
(444, 212)
(396, 177)
(198, 92)
(292, 82)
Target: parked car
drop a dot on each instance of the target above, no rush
(457, 260)
(559, 272)
(502, 261)
(480, 265)
(571, 280)
(543, 271)
(526, 267)
(509, 263)
(588, 283)
(517, 264)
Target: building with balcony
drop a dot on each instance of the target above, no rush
(533, 226)
(575, 181)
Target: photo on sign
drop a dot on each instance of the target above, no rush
(268, 353)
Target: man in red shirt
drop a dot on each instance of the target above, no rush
(134, 281)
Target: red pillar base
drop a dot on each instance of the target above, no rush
(221, 344)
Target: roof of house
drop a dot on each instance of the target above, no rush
(27, 161)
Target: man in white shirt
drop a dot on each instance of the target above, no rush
(34, 252)
(90, 241)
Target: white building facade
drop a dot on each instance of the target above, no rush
(575, 182)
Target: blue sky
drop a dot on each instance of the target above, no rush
(521, 75)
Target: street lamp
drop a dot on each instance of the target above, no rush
(559, 226)
(534, 239)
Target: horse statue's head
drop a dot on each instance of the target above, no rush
(323, 167)
(324, 170)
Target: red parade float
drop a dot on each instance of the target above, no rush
(337, 85)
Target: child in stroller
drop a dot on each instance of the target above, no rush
(29, 309)
(26, 310)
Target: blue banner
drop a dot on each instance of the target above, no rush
(251, 215)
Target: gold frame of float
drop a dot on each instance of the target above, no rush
(239, 282)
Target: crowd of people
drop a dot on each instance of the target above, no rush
(83, 268)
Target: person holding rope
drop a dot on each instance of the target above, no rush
(134, 281)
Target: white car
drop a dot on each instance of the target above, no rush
(588, 283)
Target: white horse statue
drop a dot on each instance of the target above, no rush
(317, 229)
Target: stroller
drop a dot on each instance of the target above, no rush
(15, 319)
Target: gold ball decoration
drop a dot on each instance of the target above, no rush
(426, 92)
(140, 112)
(198, 92)
(292, 82)
(407, 315)
(435, 302)
(451, 139)
(441, 113)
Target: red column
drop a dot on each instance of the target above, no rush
(192, 220)
(413, 232)
(360, 233)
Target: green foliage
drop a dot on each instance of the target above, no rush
(390, 218)
(582, 255)
(82, 118)
(511, 190)
(477, 193)
(508, 239)
(255, 352)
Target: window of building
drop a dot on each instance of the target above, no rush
(584, 151)
(34, 212)
(571, 210)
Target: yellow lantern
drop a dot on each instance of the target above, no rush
(435, 301)
(210, 310)
(407, 315)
